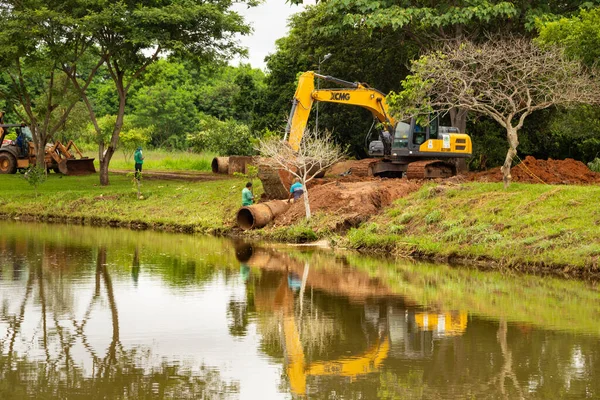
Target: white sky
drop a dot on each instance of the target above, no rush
(269, 21)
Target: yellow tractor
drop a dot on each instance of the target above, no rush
(21, 153)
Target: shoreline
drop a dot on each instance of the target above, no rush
(480, 263)
(539, 229)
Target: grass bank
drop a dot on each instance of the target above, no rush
(160, 160)
(527, 227)
(536, 227)
(203, 207)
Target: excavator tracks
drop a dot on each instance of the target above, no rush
(430, 169)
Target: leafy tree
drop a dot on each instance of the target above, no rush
(223, 137)
(503, 79)
(579, 34)
(132, 138)
(165, 101)
(130, 36)
(34, 43)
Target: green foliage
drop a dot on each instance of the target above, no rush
(595, 165)
(230, 92)
(579, 34)
(433, 217)
(107, 126)
(35, 176)
(164, 160)
(489, 144)
(164, 104)
(132, 138)
(224, 138)
(251, 173)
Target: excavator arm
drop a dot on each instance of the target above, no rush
(353, 93)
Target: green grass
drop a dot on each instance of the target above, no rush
(207, 207)
(161, 160)
(526, 224)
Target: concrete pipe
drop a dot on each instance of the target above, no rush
(220, 165)
(259, 215)
(238, 164)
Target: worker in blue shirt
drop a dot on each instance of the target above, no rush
(296, 190)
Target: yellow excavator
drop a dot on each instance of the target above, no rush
(296, 367)
(417, 151)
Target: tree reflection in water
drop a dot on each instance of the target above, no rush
(77, 321)
(118, 373)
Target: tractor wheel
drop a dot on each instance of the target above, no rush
(8, 164)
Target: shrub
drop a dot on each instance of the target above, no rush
(595, 165)
(223, 137)
(433, 217)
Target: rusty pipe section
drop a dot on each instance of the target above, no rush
(259, 215)
(230, 165)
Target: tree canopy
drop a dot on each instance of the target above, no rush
(503, 79)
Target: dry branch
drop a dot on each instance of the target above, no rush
(505, 79)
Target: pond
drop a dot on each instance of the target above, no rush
(116, 314)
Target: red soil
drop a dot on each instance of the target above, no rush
(531, 170)
(350, 201)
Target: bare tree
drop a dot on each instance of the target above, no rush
(505, 79)
(316, 153)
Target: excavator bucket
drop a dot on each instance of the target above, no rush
(72, 166)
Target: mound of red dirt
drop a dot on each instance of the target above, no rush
(350, 202)
(532, 170)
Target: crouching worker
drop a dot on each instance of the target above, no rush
(296, 190)
(247, 196)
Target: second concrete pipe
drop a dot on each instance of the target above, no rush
(259, 215)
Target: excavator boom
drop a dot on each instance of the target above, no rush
(354, 93)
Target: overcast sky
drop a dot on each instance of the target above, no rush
(269, 21)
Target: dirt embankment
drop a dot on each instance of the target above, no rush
(532, 170)
(349, 200)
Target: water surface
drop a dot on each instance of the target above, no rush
(89, 313)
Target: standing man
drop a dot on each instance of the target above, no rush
(247, 196)
(138, 157)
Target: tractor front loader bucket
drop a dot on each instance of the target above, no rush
(66, 161)
(72, 166)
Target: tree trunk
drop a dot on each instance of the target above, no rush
(513, 142)
(458, 119)
(40, 153)
(306, 203)
(104, 162)
(114, 139)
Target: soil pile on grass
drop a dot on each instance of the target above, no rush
(350, 203)
(532, 170)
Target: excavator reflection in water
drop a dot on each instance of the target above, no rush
(390, 328)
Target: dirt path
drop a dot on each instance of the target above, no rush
(189, 176)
